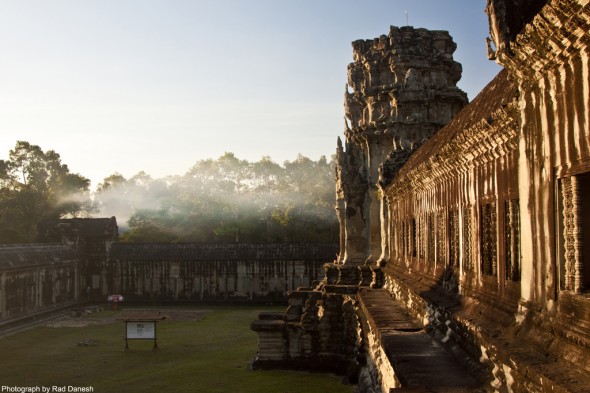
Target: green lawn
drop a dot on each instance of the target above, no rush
(210, 355)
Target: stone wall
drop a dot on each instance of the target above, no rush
(67, 266)
(550, 61)
(487, 218)
(212, 272)
(453, 207)
(88, 264)
(37, 277)
(91, 238)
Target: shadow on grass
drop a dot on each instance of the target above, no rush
(209, 354)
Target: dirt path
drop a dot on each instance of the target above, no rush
(84, 320)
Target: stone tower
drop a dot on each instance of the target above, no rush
(401, 89)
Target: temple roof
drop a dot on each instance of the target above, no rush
(222, 251)
(17, 256)
(51, 230)
(500, 92)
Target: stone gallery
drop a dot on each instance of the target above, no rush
(464, 260)
(464, 255)
(78, 260)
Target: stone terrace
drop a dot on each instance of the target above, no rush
(413, 359)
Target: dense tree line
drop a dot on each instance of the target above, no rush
(227, 200)
(217, 200)
(34, 185)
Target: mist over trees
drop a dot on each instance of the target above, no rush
(227, 200)
(217, 200)
(34, 185)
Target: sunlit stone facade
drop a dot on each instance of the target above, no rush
(483, 243)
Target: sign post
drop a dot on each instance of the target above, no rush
(141, 325)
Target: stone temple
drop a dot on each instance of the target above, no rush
(464, 255)
(464, 261)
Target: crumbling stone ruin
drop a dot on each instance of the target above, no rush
(462, 260)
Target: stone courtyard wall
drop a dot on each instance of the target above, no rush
(91, 238)
(37, 277)
(216, 272)
(89, 265)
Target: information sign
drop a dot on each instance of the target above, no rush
(141, 330)
(140, 325)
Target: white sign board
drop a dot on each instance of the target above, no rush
(141, 330)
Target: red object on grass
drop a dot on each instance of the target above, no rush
(115, 298)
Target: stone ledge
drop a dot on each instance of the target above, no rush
(271, 316)
(508, 352)
(305, 295)
(316, 365)
(341, 289)
(417, 360)
(267, 325)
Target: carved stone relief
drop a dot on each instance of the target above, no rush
(468, 238)
(441, 230)
(431, 239)
(512, 236)
(572, 235)
(488, 236)
(454, 238)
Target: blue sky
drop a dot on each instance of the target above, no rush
(155, 85)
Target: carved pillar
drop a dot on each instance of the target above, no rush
(572, 236)
(469, 243)
(341, 213)
(453, 238)
(441, 230)
(340, 206)
(352, 167)
(386, 234)
(512, 247)
(378, 146)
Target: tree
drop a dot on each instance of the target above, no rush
(34, 185)
(229, 200)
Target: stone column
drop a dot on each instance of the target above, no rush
(353, 174)
(341, 214)
(378, 145)
(340, 206)
(385, 230)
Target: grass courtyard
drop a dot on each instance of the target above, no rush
(208, 354)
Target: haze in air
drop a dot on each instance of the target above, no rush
(155, 86)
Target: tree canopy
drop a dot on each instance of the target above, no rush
(34, 185)
(217, 200)
(227, 200)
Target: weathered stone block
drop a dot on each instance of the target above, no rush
(365, 275)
